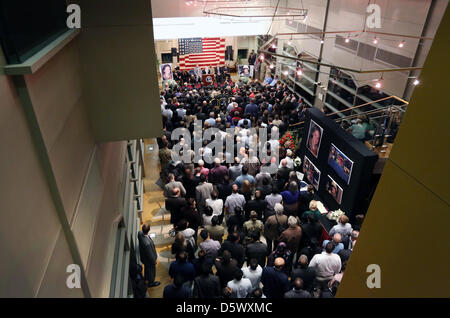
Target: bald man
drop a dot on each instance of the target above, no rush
(338, 246)
(275, 281)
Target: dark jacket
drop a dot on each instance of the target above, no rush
(170, 291)
(276, 283)
(225, 272)
(207, 286)
(237, 251)
(147, 249)
(255, 205)
(257, 250)
(309, 231)
(174, 205)
(306, 274)
(297, 294)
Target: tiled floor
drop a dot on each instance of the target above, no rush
(157, 216)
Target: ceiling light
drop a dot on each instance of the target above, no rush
(401, 44)
(274, 46)
(416, 82)
(322, 41)
(299, 72)
(271, 66)
(347, 39)
(261, 57)
(375, 40)
(285, 72)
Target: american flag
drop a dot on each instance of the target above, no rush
(201, 51)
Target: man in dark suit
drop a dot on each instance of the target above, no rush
(174, 203)
(148, 255)
(256, 249)
(307, 274)
(237, 250)
(284, 171)
(275, 281)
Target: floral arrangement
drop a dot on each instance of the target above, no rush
(287, 141)
(170, 83)
(334, 215)
(244, 79)
(297, 163)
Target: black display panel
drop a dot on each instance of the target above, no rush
(345, 165)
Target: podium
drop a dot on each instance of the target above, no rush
(208, 79)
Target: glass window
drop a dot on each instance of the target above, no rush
(28, 26)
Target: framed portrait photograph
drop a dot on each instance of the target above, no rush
(340, 163)
(334, 189)
(312, 173)
(245, 70)
(166, 72)
(314, 138)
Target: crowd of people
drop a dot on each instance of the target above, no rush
(240, 231)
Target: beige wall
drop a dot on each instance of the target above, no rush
(29, 227)
(35, 250)
(117, 57)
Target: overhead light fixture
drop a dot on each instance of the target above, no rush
(285, 72)
(247, 11)
(271, 66)
(274, 46)
(261, 57)
(401, 44)
(416, 82)
(347, 39)
(321, 41)
(375, 40)
(299, 72)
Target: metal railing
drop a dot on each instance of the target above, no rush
(384, 118)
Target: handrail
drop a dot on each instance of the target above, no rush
(359, 106)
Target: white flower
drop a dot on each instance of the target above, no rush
(334, 215)
(297, 162)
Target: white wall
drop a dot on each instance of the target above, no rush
(402, 17)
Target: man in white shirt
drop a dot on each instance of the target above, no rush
(240, 287)
(253, 272)
(232, 105)
(215, 203)
(327, 264)
(290, 162)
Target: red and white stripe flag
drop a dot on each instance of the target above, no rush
(211, 52)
